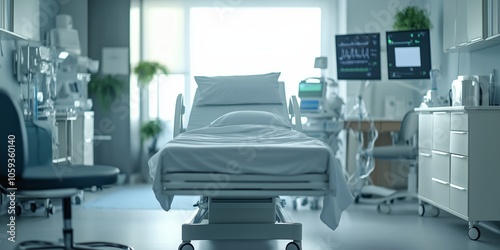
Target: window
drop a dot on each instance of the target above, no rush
(248, 37)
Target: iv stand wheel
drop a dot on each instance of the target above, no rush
(293, 246)
(474, 233)
(186, 246)
(384, 208)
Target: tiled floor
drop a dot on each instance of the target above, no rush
(361, 227)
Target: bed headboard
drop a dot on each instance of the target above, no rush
(203, 115)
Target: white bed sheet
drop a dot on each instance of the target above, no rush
(252, 149)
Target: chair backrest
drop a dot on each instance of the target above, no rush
(409, 127)
(201, 116)
(13, 145)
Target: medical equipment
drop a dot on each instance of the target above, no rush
(408, 54)
(358, 56)
(36, 179)
(432, 98)
(240, 157)
(63, 36)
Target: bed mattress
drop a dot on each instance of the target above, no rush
(243, 149)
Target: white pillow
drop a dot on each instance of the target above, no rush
(251, 117)
(243, 89)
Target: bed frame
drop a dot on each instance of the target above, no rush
(225, 198)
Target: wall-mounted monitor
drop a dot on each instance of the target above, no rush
(358, 56)
(408, 54)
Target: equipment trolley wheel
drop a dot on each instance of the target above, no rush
(435, 211)
(384, 208)
(421, 209)
(293, 246)
(186, 246)
(474, 233)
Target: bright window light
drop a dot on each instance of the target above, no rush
(256, 40)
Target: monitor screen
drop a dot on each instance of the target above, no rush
(358, 56)
(408, 54)
(311, 89)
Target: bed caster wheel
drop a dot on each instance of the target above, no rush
(315, 205)
(186, 246)
(474, 233)
(33, 207)
(293, 246)
(49, 210)
(356, 199)
(384, 208)
(294, 204)
(78, 200)
(421, 209)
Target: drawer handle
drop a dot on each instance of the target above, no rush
(440, 113)
(425, 154)
(459, 132)
(458, 187)
(439, 152)
(459, 156)
(440, 181)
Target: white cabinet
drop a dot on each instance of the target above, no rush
(424, 155)
(470, 25)
(459, 169)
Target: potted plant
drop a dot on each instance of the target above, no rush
(106, 89)
(412, 18)
(146, 71)
(151, 130)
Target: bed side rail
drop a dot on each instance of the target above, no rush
(179, 115)
(294, 111)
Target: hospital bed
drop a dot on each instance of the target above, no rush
(239, 153)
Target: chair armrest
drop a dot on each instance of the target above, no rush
(394, 137)
(294, 111)
(179, 115)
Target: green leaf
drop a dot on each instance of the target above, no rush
(106, 89)
(151, 129)
(146, 71)
(412, 18)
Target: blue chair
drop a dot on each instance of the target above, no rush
(28, 175)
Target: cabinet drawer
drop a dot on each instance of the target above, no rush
(424, 174)
(440, 192)
(459, 170)
(459, 121)
(458, 199)
(441, 166)
(459, 142)
(441, 131)
(425, 131)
